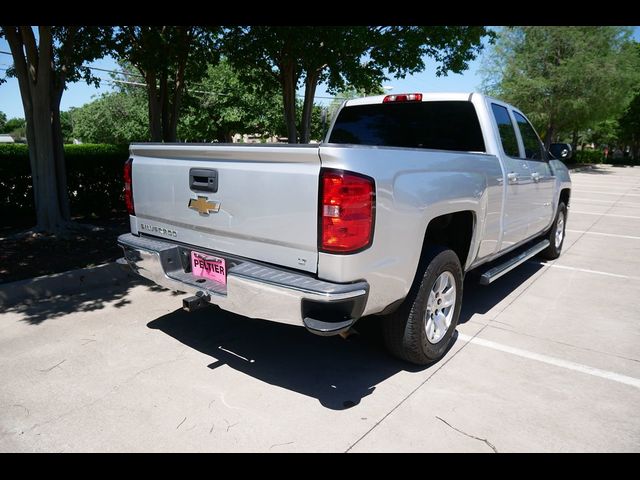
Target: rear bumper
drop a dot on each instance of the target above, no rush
(253, 290)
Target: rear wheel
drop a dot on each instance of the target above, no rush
(421, 329)
(556, 234)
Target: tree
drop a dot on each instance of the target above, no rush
(360, 55)
(66, 127)
(16, 127)
(629, 126)
(118, 118)
(224, 104)
(43, 64)
(350, 92)
(3, 121)
(168, 57)
(566, 79)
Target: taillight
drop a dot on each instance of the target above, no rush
(347, 207)
(403, 97)
(128, 188)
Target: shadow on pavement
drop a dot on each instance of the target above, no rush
(595, 170)
(338, 372)
(479, 299)
(37, 311)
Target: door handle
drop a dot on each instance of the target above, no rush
(512, 177)
(535, 176)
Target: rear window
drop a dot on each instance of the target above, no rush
(448, 125)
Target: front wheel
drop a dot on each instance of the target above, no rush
(421, 330)
(556, 234)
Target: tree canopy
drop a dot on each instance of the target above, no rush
(119, 117)
(565, 79)
(223, 104)
(168, 57)
(629, 126)
(362, 56)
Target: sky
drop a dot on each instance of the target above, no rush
(77, 94)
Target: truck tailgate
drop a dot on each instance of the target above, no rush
(267, 198)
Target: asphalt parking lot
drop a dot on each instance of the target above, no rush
(547, 359)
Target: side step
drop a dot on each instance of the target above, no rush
(496, 272)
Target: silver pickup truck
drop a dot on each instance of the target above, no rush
(406, 195)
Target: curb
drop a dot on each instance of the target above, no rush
(65, 283)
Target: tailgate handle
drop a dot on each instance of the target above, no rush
(203, 179)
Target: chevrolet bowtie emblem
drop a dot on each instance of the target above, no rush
(204, 206)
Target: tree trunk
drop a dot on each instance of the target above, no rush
(289, 83)
(176, 101)
(48, 210)
(173, 113)
(311, 82)
(60, 163)
(47, 167)
(155, 122)
(574, 141)
(172, 128)
(551, 130)
(164, 105)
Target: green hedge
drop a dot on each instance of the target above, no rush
(597, 156)
(588, 156)
(94, 177)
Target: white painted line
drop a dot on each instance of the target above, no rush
(609, 203)
(585, 270)
(558, 362)
(610, 193)
(604, 214)
(628, 186)
(233, 353)
(631, 237)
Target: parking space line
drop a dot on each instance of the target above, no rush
(631, 237)
(611, 189)
(611, 193)
(585, 270)
(604, 214)
(606, 202)
(558, 362)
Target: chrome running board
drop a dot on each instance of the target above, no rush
(496, 272)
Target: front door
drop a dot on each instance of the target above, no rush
(543, 180)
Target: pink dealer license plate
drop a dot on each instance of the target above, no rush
(209, 267)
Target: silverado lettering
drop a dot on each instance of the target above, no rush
(156, 229)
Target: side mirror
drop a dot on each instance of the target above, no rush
(561, 151)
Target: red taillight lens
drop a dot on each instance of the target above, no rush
(403, 97)
(128, 189)
(347, 203)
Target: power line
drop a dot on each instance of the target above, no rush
(197, 84)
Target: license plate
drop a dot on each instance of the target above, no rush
(207, 266)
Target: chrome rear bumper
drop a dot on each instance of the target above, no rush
(253, 290)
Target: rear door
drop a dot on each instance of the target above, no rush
(259, 202)
(519, 184)
(543, 179)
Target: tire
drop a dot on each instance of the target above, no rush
(556, 234)
(406, 333)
